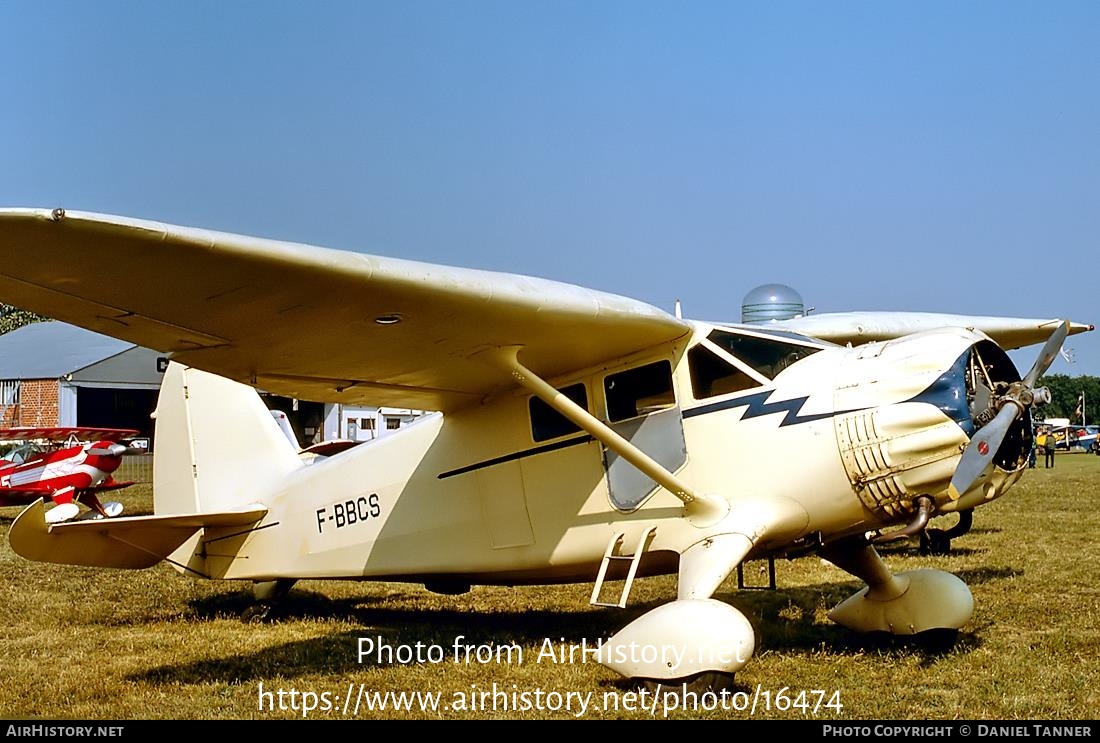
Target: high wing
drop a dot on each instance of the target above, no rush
(61, 433)
(308, 322)
(863, 327)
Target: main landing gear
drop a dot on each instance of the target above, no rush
(913, 602)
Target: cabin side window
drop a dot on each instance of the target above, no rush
(639, 391)
(547, 423)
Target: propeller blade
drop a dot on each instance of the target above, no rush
(985, 443)
(979, 452)
(1050, 352)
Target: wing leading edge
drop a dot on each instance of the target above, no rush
(309, 322)
(864, 327)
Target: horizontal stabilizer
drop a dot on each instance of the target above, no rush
(132, 542)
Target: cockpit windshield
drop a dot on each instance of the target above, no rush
(767, 355)
(729, 361)
(24, 452)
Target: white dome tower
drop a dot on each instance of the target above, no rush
(771, 302)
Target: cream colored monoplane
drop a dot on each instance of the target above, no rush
(580, 436)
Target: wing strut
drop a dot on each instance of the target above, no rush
(701, 510)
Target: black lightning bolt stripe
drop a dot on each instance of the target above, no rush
(757, 405)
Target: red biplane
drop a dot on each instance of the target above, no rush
(67, 465)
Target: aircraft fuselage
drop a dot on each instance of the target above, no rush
(503, 492)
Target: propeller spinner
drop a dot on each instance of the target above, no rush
(1019, 397)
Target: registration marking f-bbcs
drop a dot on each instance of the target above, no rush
(349, 512)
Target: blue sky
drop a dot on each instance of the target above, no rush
(937, 156)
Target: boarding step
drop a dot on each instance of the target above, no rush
(612, 553)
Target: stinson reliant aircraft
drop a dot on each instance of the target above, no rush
(580, 436)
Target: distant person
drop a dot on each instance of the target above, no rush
(1031, 453)
(1048, 447)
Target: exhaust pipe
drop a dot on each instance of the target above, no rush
(925, 508)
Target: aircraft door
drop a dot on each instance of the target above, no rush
(641, 407)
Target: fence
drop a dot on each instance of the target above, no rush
(135, 467)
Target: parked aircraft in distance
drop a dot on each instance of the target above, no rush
(64, 464)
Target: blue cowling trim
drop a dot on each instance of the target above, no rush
(948, 393)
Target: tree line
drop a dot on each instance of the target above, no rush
(13, 317)
(1065, 394)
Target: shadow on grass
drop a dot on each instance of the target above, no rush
(903, 551)
(794, 620)
(622, 685)
(386, 611)
(298, 604)
(789, 620)
(985, 574)
(396, 630)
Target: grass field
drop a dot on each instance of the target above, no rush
(153, 644)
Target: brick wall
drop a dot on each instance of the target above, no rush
(38, 403)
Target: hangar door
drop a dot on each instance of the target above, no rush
(117, 392)
(116, 408)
